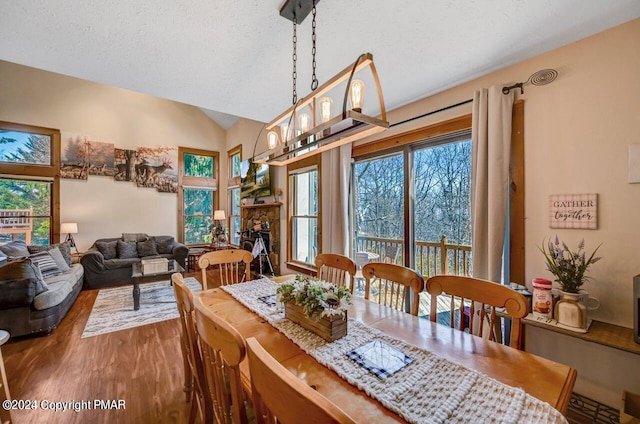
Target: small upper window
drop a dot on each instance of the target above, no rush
(198, 166)
(25, 148)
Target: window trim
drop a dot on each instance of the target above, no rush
(43, 172)
(309, 163)
(195, 182)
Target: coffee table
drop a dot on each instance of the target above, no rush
(138, 277)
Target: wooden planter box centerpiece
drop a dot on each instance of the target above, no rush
(330, 328)
(316, 297)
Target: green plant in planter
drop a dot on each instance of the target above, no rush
(568, 267)
(317, 298)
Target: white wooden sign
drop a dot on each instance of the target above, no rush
(573, 211)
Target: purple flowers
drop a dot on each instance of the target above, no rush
(568, 267)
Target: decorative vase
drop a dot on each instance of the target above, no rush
(329, 328)
(570, 312)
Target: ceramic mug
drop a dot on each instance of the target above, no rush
(591, 303)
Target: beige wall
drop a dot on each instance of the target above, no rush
(101, 206)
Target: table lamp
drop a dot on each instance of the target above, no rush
(219, 233)
(69, 228)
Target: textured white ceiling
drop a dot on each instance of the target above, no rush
(234, 56)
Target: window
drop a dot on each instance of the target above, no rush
(233, 188)
(197, 195)
(304, 211)
(435, 175)
(29, 189)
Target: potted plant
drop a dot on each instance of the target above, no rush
(316, 305)
(569, 270)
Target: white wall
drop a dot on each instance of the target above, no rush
(101, 206)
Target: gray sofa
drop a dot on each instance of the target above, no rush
(108, 262)
(31, 303)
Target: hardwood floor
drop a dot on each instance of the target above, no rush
(141, 366)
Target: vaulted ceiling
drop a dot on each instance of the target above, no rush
(234, 57)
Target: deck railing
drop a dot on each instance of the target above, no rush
(432, 258)
(16, 221)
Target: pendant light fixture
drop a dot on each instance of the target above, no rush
(312, 125)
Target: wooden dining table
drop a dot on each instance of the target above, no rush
(546, 380)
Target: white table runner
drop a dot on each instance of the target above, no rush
(431, 389)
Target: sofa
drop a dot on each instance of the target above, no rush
(108, 262)
(38, 286)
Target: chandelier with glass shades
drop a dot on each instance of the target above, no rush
(314, 123)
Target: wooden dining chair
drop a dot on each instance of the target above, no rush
(280, 395)
(482, 298)
(233, 266)
(392, 282)
(335, 268)
(194, 376)
(222, 349)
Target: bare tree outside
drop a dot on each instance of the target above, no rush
(441, 196)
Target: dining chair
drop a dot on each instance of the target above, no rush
(393, 281)
(230, 266)
(222, 349)
(479, 299)
(194, 377)
(280, 395)
(335, 268)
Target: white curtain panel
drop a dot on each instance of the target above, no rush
(491, 134)
(336, 180)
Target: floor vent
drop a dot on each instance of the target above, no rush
(583, 410)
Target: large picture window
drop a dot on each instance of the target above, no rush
(197, 194)
(29, 189)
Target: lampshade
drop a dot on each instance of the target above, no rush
(219, 215)
(69, 228)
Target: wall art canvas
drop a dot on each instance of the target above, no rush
(74, 150)
(101, 158)
(157, 167)
(573, 211)
(125, 164)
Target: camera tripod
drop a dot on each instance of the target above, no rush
(260, 249)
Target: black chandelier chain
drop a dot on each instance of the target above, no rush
(294, 94)
(314, 79)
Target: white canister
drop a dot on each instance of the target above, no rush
(542, 302)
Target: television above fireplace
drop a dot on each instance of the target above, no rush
(255, 179)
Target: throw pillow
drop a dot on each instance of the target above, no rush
(108, 248)
(45, 262)
(147, 248)
(15, 249)
(134, 237)
(59, 259)
(127, 249)
(65, 250)
(23, 269)
(164, 244)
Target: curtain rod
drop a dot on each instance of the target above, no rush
(464, 102)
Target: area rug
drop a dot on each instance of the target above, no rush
(113, 308)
